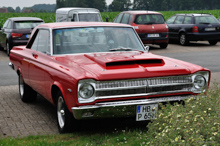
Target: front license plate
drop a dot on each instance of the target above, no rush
(153, 35)
(146, 112)
(209, 29)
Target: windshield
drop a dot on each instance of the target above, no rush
(95, 39)
(149, 19)
(206, 20)
(89, 17)
(26, 24)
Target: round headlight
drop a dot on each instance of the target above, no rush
(86, 91)
(199, 82)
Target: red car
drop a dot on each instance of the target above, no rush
(150, 26)
(100, 70)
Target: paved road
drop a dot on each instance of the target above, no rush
(20, 119)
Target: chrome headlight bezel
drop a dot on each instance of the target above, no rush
(200, 81)
(82, 86)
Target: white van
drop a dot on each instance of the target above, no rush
(78, 14)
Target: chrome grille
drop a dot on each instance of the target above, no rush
(143, 87)
(118, 84)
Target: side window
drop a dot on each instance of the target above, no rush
(5, 24)
(130, 16)
(179, 20)
(118, 19)
(125, 19)
(171, 20)
(42, 42)
(187, 20)
(9, 26)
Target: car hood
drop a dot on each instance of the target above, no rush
(125, 65)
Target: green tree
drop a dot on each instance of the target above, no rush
(120, 5)
(141, 5)
(10, 9)
(18, 9)
(98, 4)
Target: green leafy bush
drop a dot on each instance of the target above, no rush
(195, 123)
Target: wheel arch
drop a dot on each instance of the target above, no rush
(54, 89)
(19, 72)
(181, 32)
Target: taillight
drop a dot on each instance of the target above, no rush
(15, 35)
(135, 26)
(195, 29)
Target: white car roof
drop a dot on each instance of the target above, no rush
(78, 9)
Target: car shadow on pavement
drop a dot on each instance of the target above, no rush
(93, 126)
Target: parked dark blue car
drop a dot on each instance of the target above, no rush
(194, 27)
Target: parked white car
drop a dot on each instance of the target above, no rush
(78, 14)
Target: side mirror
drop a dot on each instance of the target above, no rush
(146, 48)
(106, 19)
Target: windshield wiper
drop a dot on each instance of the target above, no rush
(120, 49)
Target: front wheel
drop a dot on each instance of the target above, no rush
(27, 94)
(65, 120)
(213, 42)
(183, 39)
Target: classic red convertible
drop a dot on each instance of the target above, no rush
(100, 70)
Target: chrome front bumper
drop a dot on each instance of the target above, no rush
(119, 108)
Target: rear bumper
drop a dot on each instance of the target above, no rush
(154, 40)
(118, 109)
(19, 42)
(203, 36)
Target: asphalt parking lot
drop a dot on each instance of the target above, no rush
(20, 119)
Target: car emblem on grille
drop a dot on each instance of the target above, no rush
(153, 27)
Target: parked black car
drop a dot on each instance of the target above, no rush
(194, 27)
(16, 31)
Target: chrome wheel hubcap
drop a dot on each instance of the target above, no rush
(60, 112)
(182, 39)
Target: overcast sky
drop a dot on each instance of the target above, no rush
(29, 3)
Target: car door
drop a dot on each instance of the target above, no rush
(171, 26)
(4, 32)
(176, 27)
(118, 18)
(126, 18)
(38, 63)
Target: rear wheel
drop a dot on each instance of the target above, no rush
(27, 94)
(163, 46)
(213, 42)
(65, 120)
(183, 39)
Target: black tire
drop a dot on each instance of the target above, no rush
(163, 46)
(213, 42)
(8, 48)
(183, 39)
(65, 120)
(27, 94)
